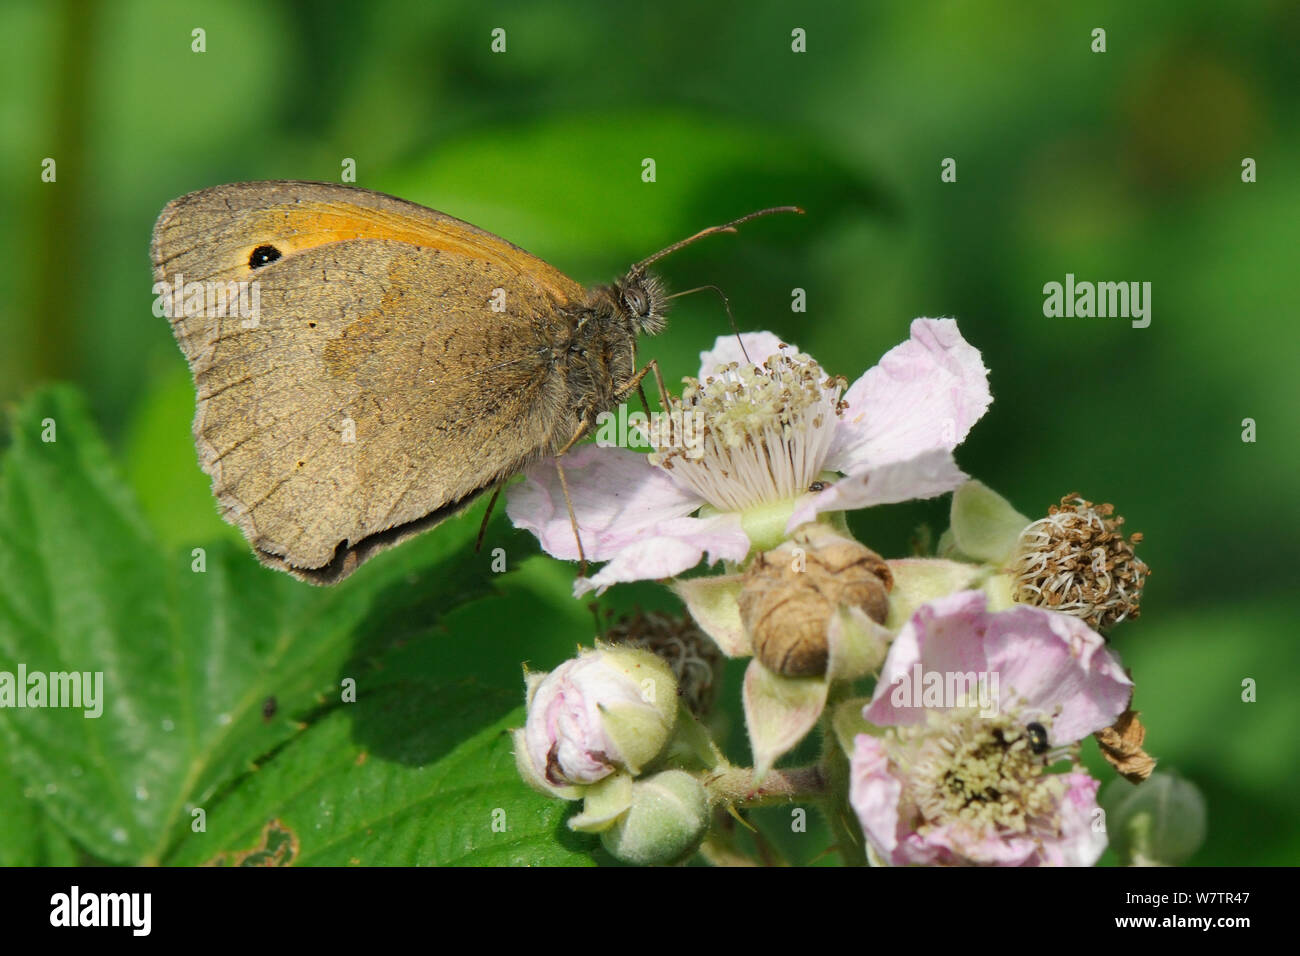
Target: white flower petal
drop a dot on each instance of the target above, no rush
(758, 346)
(667, 549)
(618, 497)
(932, 473)
(924, 394)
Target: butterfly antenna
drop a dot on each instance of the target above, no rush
(727, 227)
(726, 304)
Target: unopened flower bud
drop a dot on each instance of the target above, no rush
(1076, 560)
(606, 710)
(1160, 822)
(694, 659)
(667, 820)
(790, 593)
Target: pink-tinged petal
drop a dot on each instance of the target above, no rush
(943, 636)
(1048, 666)
(1055, 667)
(618, 498)
(1081, 842)
(930, 474)
(727, 349)
(667, 549)
(957, 844)
(874, 794)
(925, 394)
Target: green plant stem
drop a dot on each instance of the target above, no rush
(835, 800)
(835, 807)
(736, 786)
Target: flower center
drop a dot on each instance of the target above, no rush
(981, 772)
(766, 431)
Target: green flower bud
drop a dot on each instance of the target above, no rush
(665, 823)
(1157, 823)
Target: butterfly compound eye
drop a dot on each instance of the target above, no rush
(263, 256)
(635, 301)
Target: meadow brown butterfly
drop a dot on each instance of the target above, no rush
(395, 363)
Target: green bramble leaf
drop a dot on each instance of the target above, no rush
(413, 775)
(209, 661)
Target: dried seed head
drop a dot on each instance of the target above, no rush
(693, 658)
(1076, 560)
(789, 594)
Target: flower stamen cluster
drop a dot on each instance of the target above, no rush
(767, 434)
(980, 773)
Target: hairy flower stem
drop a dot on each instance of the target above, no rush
(736, 786)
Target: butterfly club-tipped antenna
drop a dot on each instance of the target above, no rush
(726, 305)
(644, 264)
(641, 266)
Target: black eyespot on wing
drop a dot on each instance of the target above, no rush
(263, 256)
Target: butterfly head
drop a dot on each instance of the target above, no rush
(640, 297)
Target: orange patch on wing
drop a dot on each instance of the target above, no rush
(307, 225)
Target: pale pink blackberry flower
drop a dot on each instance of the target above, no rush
(963, 782)
(781, 442)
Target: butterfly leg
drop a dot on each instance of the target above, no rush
(587, 423)
(573, 520)
(564, 486)
(635, 383)
(482, 529)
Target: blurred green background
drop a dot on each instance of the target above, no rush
(1123, 165)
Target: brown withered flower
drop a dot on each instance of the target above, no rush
(1077, 560)
(790, 593)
